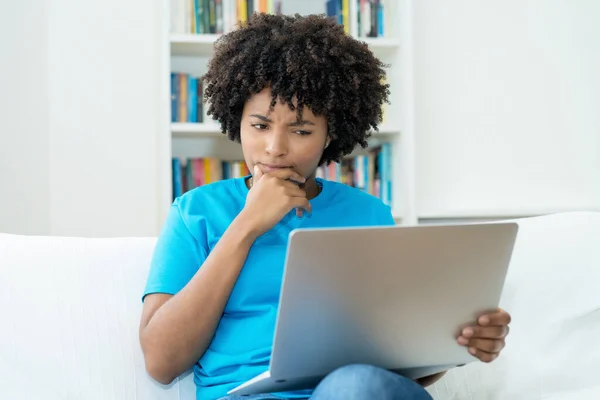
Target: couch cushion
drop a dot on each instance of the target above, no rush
(70, 309)
(552, 293)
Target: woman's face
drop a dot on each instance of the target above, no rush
(274, 139)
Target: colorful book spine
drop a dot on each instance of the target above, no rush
(186, 98)
(221, 16)
(370, 172)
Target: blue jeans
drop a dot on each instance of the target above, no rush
(359, 382)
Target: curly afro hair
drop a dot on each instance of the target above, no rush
(309, 58)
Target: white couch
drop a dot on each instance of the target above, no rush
(69, 309)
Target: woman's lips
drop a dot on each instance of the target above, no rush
(273, 167)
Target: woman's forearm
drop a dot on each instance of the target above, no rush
(180, 330)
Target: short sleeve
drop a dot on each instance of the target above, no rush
(177, 256)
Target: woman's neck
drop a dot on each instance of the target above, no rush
(311, 188)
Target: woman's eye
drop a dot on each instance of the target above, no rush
(303, 132)
(260, 127)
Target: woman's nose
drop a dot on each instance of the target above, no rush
(277, 144)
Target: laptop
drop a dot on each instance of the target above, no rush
(395, 297)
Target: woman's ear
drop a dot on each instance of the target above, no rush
(327, 142)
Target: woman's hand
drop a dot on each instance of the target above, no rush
(486, 339)
(272, 196)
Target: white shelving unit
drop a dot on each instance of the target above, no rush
(190, 53)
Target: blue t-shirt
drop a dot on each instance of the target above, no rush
(241, 346)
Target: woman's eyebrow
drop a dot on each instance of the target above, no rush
(261, 117)
(300, 123)
(295, 123)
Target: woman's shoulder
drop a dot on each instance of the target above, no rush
(371, 208)
(212, 196)
(354, 196)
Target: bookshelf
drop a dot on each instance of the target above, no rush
(188, 53)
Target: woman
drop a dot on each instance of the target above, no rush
(296, 92)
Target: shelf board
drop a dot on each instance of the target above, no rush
(386, 130)
(196, 130)
(382, 47)
(202, 44)
(192, 45)
(211, 130)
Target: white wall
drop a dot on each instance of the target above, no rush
(81, 125)
(24, 175)
(507, 106)
(103, 77)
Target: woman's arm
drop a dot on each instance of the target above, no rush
(170, 343)
(175, 331)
